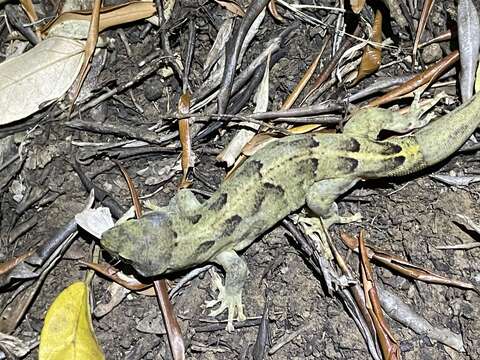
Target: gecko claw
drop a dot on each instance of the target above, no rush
(231, 302)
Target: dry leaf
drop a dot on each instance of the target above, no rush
(38, 77)
(217, 49)
(109, 16)
(426, 10)
(243, 136)
(357, 5)
(372, 55)
(468, 26)
(68, 332)
(231, 6)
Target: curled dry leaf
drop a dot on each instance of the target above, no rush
(38, 77)
(469, 44)
(68, 332)
(372, 55)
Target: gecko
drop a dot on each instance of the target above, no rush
(311, 169)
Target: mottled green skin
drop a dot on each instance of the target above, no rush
(278, 180)
(267, 187)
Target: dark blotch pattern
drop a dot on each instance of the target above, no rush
(195, 218)
(258, 201)
(251, 168)
(204, 247)
(391, 149)
(308, 167)
(348, 165)
(267, 189)
(304, 141)
(393, 163)
(230, 224)
(399, 160)
(219, 203)
(272, 188)
(351, 145)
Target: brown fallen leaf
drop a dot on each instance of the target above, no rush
(404, 267)
(357, 5)
(427, 8)
(429, 75)
(372, 54)
(109, 15)
(117, 276)
(185, 140)
(174, 333)
(231, 6)
(90, 46)
(388, 344)
(10, 264)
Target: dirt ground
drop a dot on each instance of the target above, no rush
(409, 217)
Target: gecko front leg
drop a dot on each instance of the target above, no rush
(230, 295)
(321, 198)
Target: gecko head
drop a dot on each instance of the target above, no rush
(145, 243)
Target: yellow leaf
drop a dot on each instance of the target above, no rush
(68, 332)
(303, 129)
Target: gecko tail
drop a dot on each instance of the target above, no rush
(444, 136)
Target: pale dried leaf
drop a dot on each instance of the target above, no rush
(95, 221)
(111, 16)
(216, 51)
(243, 136)
(16, 346)
(71, 28)
(38, 77)
(403, 313)
(456, 180)
(469, 45)
(251, 34)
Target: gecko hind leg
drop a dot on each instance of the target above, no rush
(230, 295)
(321, 198)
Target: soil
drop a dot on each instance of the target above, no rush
(408, 217)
